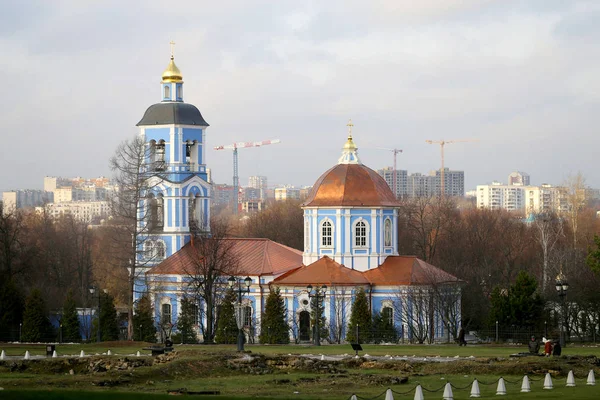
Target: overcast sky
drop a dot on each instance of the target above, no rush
(520, 76)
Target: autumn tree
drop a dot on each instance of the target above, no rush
(281, 222)
(360, 319)
(273, 328)
(134, 214)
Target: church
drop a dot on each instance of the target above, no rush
(350, 239)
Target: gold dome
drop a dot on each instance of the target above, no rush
(349, 145)
(172, 73)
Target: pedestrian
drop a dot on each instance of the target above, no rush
(534, 346)
(548, 347)
(557, 349)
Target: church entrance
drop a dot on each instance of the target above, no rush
(304, 322)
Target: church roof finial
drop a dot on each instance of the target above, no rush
(349, 151)
(172, 73)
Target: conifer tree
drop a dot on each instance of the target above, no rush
(108, 318)
(185, 322)
(11, 310)
(145, 330)
(383, 329)
(36, 325)
(361, 317)
(227, 330)
(70, 320)
(273, 328)
(323, 327)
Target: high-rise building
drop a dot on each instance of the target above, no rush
(401, 180)
(27, 198)
(260, 183)
(519, 178)
(287, 193)
(524, 199)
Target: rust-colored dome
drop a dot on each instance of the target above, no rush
(352, 185)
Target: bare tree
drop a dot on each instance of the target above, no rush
(341, 299)
(209, 262)
(548, 231)
(135, 216)
(413, 305)
(573, 191)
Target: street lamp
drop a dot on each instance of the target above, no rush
(93, 290)
(239, 310)
(561, 288)
(319, 295)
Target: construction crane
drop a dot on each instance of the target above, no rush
(395, 172)
(236, 178)
(442, 143)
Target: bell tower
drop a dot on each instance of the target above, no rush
(178, 200)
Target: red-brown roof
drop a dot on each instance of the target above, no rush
(351, 185)
(395, 270)
(408, 270)
(323, 271)
(254, 257)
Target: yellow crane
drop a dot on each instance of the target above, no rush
(442, 143)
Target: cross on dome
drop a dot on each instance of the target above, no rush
(349, 151)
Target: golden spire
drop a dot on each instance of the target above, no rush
(349, 143)
(172, 73)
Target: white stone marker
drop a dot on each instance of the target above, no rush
(448, 392)
(526, 386)
(82, 354)
(419, 393)
(591, 380)
(26, 355)
(2, 355)
(475, 389)
(548, 381)
(501, 389)
(571, 379)
(389, 395)
(54, 354)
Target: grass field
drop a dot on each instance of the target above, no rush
(275, 375)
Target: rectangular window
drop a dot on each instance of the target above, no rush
(166, 313)
(247, 316)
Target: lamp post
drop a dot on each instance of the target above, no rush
(561, 288)
(318, 295)
(20, 331)
(93, 290)
(239, 310)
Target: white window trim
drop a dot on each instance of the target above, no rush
(367, 233)
(323, 246)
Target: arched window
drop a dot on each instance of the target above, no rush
(387, 315)
(165, 317)
(360, 234)
(159, 156)
(159, 250)
(160, 211)
(179, 91)
(387, 233)
(152, 213)
(192, 217)
(167, 92)
(326, 234)
(247, 316)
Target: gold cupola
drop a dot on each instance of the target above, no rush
(172, 73)
(349, 151)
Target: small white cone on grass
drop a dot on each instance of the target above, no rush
(322, 357)
(548, 381)
(591, 380)
(54, 354)
(109, 353)
(353, 397)
(2, 355)
(138, 353)
(501, 389)
(26, 355)
(570, 379)
(448, 392)
(526, 386)
(419, 393)
(82, 354)
(475, 389)
(389, 395)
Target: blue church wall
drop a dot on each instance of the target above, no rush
(169, 214)
(176, 148)
(179, 91)
(177, 209)
(192, 134)
(158, 134)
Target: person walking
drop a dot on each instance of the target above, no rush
(548, 347)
